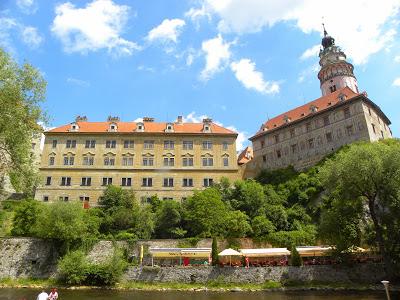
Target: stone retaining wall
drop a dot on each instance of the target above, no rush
(362, 273)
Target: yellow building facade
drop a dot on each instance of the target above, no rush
(169, 160)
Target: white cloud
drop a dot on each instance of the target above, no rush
(31, 37)
(311, 52)
(167, 31)
(217, 56)
(306, 73)
(245, 71)
(7, 25)
(27, 6)
(97, 26)
(396, 82)
(78, 82)
(397, 59)
(242, 139)
(144, 68)
(138, 120)
(359, 36)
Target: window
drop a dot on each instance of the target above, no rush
(71, 144)
(262, 144)
(208, 161)
(88, 160)
(346, 112)
(169, 144)
(48, 180)
(326, 120)
(148, 144)
(208, 182)
(86, 181)
(107, 181)
(373, 128)
(332, 88)
(127, 161)
(311, 143)
(292, 133)
(54, 143)
(168, 182)
(382, 136)
(187, 182)
(308, 126)
(225, 161)
(65, 181)
(369, 112)
(207, 145)
(33, 146)
(294, 148)
(83, 198)
(148, 161)
(187, 145)
(168, 198)
(111, 144)
(90, 144)
(278, 153)
(169, 161)
(328, 136)
(45, 198)
(187, 161)
(68, 160)
(51, 160)
(145, 200)
(276, 138)
(147, 181)
(264, 158)
(349, 130)
(63, 198)
(129, 144)
(126, 181)
(224, 145)
(109, 161)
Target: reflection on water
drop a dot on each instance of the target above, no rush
(30, 294)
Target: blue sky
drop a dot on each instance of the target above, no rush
(236, 61)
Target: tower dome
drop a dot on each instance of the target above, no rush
(336, 72)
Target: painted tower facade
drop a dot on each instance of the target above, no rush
(336, 73)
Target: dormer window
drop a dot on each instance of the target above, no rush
(342, 97)
(74, 127)
(113, 127)
(313, 109)
(286, 119)
(264, 127)
(206, 128)
(140, 127)
(169, 128)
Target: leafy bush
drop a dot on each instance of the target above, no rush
(123, 235)
(296, 237)
(72, 268)
(25, 218)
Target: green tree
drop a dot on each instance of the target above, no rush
(295, 258)
(370, 173)
(248, 196)
(64, 222)
(22, 89)
(25, 218)
(236, 224)
(169, 220)
(205, 213)
(262, 227)
(214, 251)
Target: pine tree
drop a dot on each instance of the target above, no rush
(214, 251)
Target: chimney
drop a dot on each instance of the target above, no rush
(81, 119)
(112, 119)
(207, 120)
(148, 119)
(179, 120)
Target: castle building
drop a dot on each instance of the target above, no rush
(169, 160)
(303, 136)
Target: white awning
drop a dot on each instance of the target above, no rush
(229, 252)
(265, 252)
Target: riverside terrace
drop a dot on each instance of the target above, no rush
(311, 255)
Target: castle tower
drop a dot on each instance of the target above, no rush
(336, 72)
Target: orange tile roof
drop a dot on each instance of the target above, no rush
(245, 156)
(303, 111)
(150, 127)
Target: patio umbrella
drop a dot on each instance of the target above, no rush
(229, 252)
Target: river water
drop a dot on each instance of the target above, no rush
(30, 294)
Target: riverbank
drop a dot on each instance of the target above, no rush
(212, 286)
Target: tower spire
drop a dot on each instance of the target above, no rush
(325, 32)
